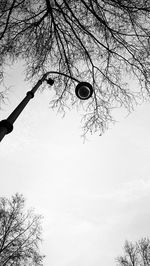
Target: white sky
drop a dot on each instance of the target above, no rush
(93, 195)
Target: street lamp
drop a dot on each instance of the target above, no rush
(83, 91)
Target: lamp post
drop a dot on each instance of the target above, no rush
(83, 91)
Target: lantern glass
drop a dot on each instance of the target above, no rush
(84, 90)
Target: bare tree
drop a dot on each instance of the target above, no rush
(137, 254)
(20, 234)
(104, 42)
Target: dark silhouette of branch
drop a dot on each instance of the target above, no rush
(104, 42)
(21, 235)
(135, 254)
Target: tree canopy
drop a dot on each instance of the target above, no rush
(104, 42)
(20, 234)
(135, 254)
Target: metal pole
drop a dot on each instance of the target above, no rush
(6, 125)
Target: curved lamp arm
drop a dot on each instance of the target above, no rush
(62, 74)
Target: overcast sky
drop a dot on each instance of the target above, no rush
(93, 195)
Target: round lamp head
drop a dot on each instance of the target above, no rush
(84, 90)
